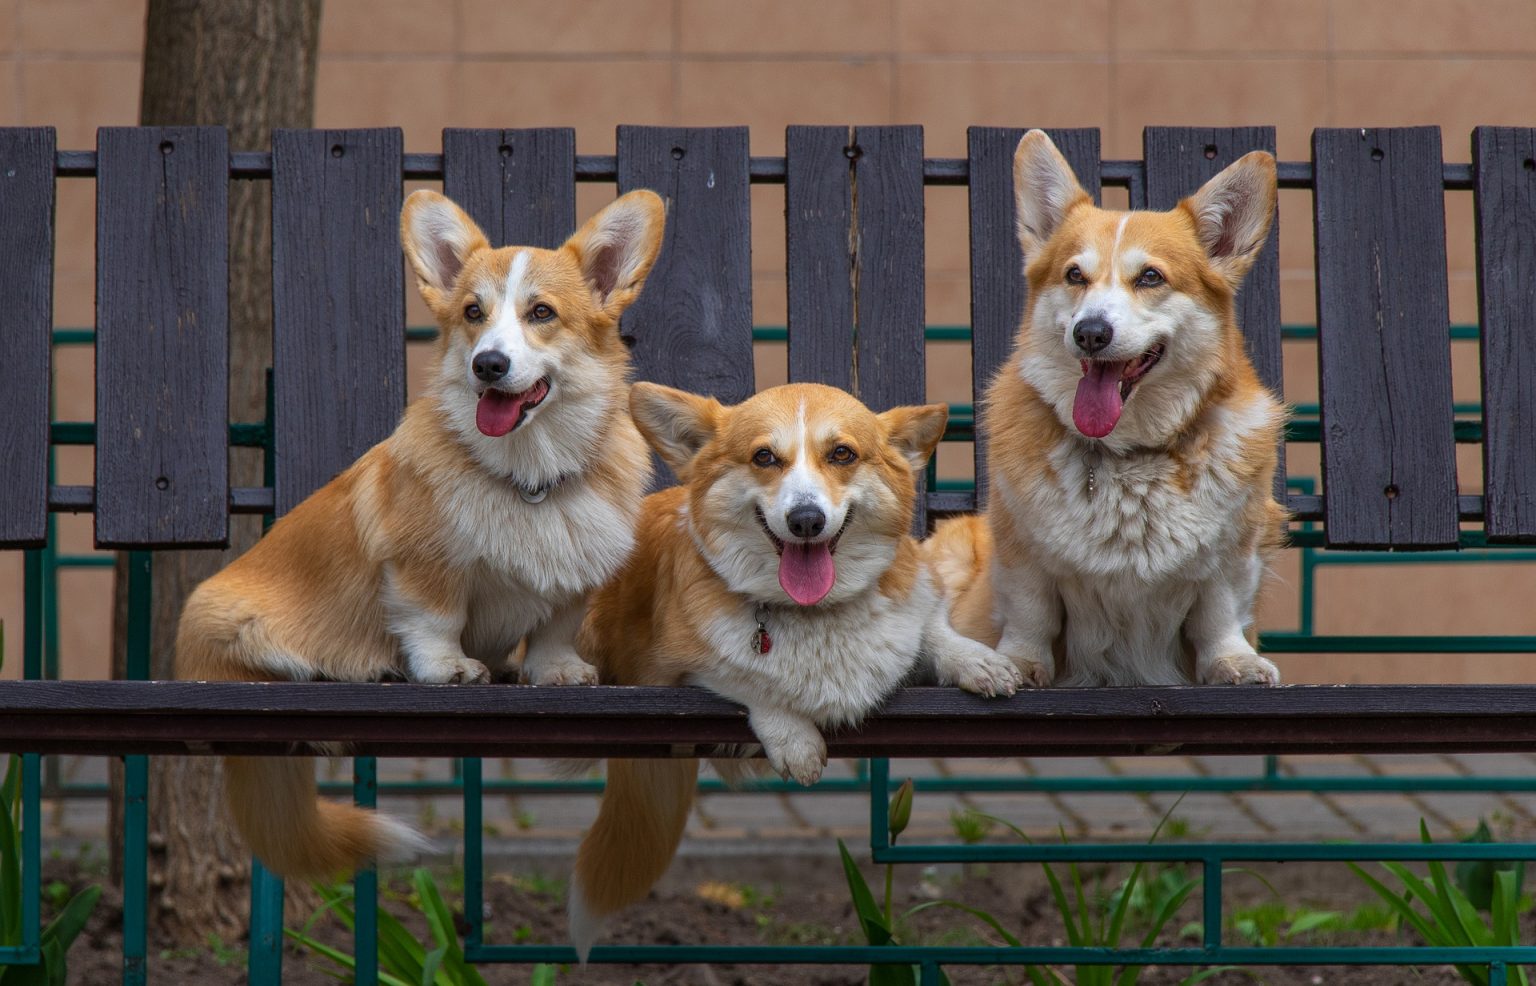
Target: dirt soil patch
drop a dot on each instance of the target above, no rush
(799, 899)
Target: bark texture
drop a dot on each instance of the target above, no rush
(249, 66)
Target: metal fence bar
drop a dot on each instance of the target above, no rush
(136, 782)
(264, 962)
(365, 884)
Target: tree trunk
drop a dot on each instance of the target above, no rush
(248, 65)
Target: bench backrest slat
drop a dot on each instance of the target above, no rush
(1389, 470)
(26, 321)
(692, 325)
(818, 218)
(854, 247)
(1504, 169)
(1181, 159)
(162, 344)
(998, 288)
(518, 185)
(338, 302)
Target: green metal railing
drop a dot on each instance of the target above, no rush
(41, 777)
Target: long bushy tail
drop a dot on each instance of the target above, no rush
(296, 834)
(645, 808)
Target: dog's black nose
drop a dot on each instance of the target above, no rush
(491, 365)
(806, 521)
(1092, 334)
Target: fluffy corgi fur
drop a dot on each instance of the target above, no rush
(792, 517)
(1132, 446)
(507, 493)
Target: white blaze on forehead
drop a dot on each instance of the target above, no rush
(505, 333)
(1119, 235)
(802, 483)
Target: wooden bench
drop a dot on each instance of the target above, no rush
(854, 201)
(854, 207)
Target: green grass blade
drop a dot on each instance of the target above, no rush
(1401, 907)
(399, 951)
(66, 927)
(543, 975)
(10, 854)
(440, 920)
(429, 968)
(1123, 906)
(870, 915)
(1060, 897)
(1448, 929)
(1085, 924)
(1167, 911)
(1505, 908)
(974, 912)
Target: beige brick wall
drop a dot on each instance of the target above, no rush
(1119, 65)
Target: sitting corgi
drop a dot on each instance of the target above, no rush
(781, 575)
(1132, 446)
(508, 492)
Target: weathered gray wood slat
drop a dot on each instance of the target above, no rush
(1389, 469)
(26, 320)
(692, 324)
(338, 302)
(1504, 186)
(1181, 159)
(818, 220)
(998, 289)
(162, 343)
(518, 185)
(890, 364)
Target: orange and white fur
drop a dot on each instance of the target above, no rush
(1132, 447)
(793, 518)
(508, 492)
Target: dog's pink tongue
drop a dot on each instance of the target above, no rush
(1097, 405)
(806, 572)
(497, 413)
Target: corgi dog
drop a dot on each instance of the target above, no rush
(1132, 447)
(780, 574)
(507, 493)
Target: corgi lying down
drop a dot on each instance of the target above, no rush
(509, 490)
(780, 575)
(1132, 446)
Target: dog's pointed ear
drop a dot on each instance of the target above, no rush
(1233, 212)
(617, 247)
(1044, 190)
(915, 430)
(438, 238)
(675, 422)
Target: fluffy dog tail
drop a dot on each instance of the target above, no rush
(296, 834)
(645, 808)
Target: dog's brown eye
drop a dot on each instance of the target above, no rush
(472, 312)
(1149, 278)
(542, 312)
(764, 458)
(843, 455)
(1075, 275)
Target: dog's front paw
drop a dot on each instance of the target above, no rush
(458, 670)
(566, 670)
(1033, 673)
(983, 671)
(801, 757)
(1239, 669)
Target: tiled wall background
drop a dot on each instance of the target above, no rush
(1118, 65)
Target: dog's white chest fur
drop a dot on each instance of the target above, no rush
(525, 559)
(1129, 547)
(831, 665)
